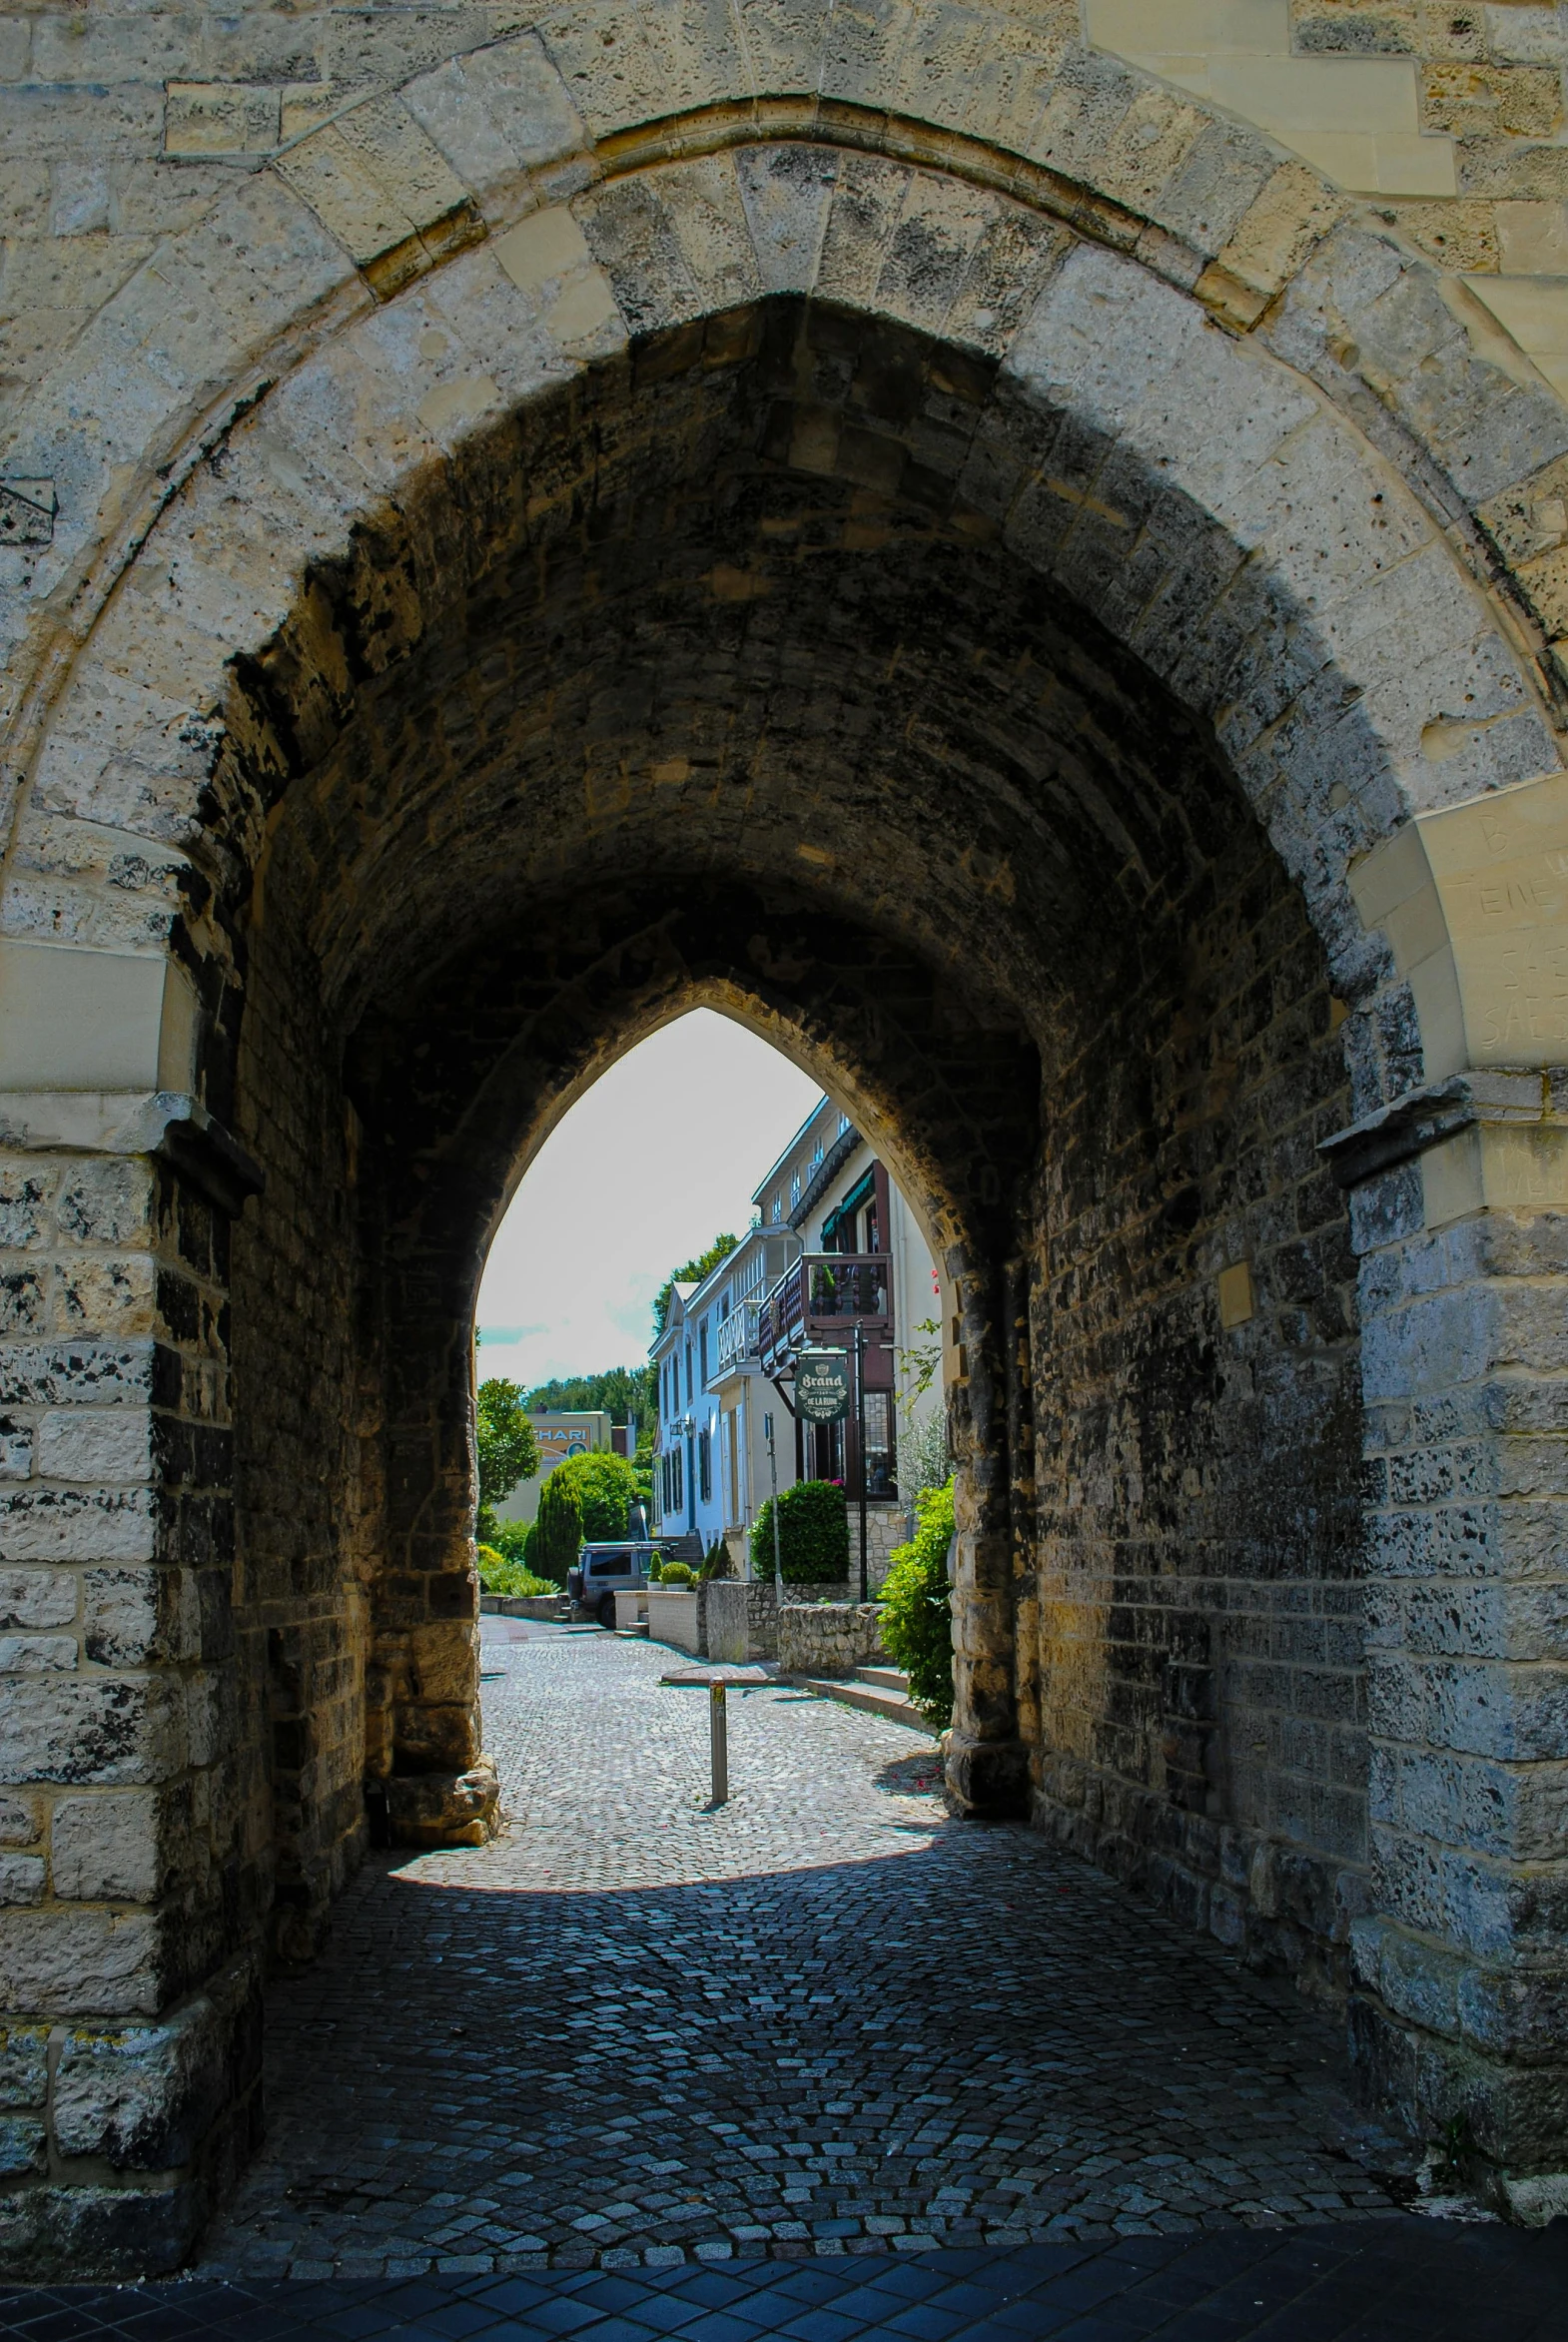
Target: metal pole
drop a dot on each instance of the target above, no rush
(773, 1478)
(859, 1442)
(718, 1743)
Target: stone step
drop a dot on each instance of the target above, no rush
(885, 1679)
(866, 1695)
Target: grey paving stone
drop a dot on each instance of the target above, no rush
(826, 2019)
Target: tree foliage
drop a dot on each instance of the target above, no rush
(624, 1393)
(813, 1535)
(693, 1273)
(558, 1532)
(602, 1485)
(917, 1608)
(507, 1449)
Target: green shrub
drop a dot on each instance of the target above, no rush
(603, 1485)
(716, 1561)
(500, 1574)
(917, 1608)
(676, 1573)
(558, 1529)
(813, 1535)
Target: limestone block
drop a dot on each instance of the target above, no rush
(674, 243)
(87, 1963)
(436, 1808)
(1278, 230)
(100, 2231)
(497, 112)
(21, 1878)
(21, 1819)
(144, 2099)
(67, 1524)
(975, 70)
(36, 1598)
(92, 1373)
(29, 1654)
(24, 2065)
(91, 1020)
(105, 1848)
(787, 191)
(95, 1443)
(445, 1660)
(626, 64)
(462, 346)
(77, 1729)
(24, 2145)
(106, 1203)
(339, 182)
(547, 258)
(220, 117)
(26, 1191)
(130, 1616)
(783, 39)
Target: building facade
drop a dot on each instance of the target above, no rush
(834, 1257)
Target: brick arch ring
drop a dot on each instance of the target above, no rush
(1169, 462)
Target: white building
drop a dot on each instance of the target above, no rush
(834, 1250)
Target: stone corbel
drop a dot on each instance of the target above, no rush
(168, 1124)
(1488, 1137)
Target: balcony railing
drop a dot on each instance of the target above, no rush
(737, 1336)
(823, 1296)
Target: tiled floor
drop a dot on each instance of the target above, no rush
(1375, 2281)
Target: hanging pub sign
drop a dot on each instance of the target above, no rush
(822, 1385)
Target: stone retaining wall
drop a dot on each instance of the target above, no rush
(740, 1617)
(828, 1638)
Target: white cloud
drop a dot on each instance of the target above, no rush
(659, 1156)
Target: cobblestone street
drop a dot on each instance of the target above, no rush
(824, 2018)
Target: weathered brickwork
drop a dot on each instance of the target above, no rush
(912, 533)
(1200, 1660)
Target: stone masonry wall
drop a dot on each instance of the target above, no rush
(125, 1893)
(827, 1638)
(588, 534)
(1198, 1414)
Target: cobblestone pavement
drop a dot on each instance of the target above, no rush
(825, 2019)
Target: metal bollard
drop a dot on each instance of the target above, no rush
(718, 1738)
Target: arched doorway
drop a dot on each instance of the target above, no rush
(1006, 702)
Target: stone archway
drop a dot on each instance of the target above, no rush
(1183, 741)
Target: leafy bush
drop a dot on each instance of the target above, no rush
(604, 1485)
(510, 1539)
(917, 1608)
(813, 1534)
(676, 1573)
(499, 1574)
(558, 1529)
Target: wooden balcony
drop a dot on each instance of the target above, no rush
(822, 1298)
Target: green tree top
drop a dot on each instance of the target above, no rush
(693, 1273)
(624, 1393)
(507, 1449)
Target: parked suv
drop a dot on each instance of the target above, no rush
(603, 1571)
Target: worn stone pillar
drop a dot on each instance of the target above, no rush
(129, 1880)
(1460, 2002)
(987, 1764)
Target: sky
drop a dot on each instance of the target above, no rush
(645, 1171)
